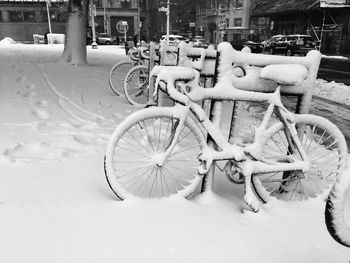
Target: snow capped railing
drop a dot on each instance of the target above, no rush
(244, 71)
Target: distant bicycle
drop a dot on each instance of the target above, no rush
(119, 70)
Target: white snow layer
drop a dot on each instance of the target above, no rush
(56, 206)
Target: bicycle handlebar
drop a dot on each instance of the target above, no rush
(143, 53)
(134, 54)
(169, 76)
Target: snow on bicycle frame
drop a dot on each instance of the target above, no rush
(181, 83)
(263, 73)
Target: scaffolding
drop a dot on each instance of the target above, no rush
(328, 34)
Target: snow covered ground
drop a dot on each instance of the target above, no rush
(55, 204)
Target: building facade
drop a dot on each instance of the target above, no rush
(327, 21)
(21, 19)
(223, 20)
(110, 15)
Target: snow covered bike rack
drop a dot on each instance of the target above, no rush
(119, 71)
(255, 72)
(145, 153)
(264, 73)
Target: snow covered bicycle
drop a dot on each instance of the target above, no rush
(136, 83)
(160, 152)
(119, 71)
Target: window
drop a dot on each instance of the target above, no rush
(238, 3)
(238, 22)
(16, 16)
(125, 3)
(142, 4)
(53, 16)
(227, 22)
(29, 16)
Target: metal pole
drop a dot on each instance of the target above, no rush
(93, 13)
(104, 16)
(138, 20)
(49, 20)
(167, 21)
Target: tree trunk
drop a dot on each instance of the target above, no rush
(75, 42)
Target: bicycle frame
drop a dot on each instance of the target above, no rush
(250, 153)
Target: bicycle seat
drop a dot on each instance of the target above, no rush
(289, 74)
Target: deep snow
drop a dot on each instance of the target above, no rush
(55, 204)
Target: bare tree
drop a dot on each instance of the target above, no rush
(75, 42)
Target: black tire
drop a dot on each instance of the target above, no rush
(136, 86)
(337, 203)
(117, 76)
(326, 149)
(132, 166)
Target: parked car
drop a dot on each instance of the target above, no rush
(200, 42)
(105, 39)
(292, 44)
(301, 44)
(173, 39)
(239, 44)
(271, 42)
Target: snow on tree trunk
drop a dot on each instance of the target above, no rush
(75, 42)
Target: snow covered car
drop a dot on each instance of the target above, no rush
(105, 39)
(173, 39)
(200, 42)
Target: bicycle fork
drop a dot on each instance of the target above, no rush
(180, 113)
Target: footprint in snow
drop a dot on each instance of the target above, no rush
(30, 86)
(28, 95)
(42, 114)
(20, 79)
(33, 152)
(42, 103)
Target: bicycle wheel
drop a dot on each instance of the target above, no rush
(136, 86)
(337, 212)
(135, 148)
(326, 149)
(117, 76)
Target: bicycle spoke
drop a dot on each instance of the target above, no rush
(135, 161)
(322, 148)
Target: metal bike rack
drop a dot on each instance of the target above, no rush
(187, 56)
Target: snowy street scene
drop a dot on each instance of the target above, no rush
(56, 204)
(174, 131)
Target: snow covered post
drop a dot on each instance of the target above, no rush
(153, 47)
(215, 115)
(93, 14)
(48, 3)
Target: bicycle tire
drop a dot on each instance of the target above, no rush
(136, 86)
(326, 149)
(117, 75)
(335, 209)
(135, 146)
